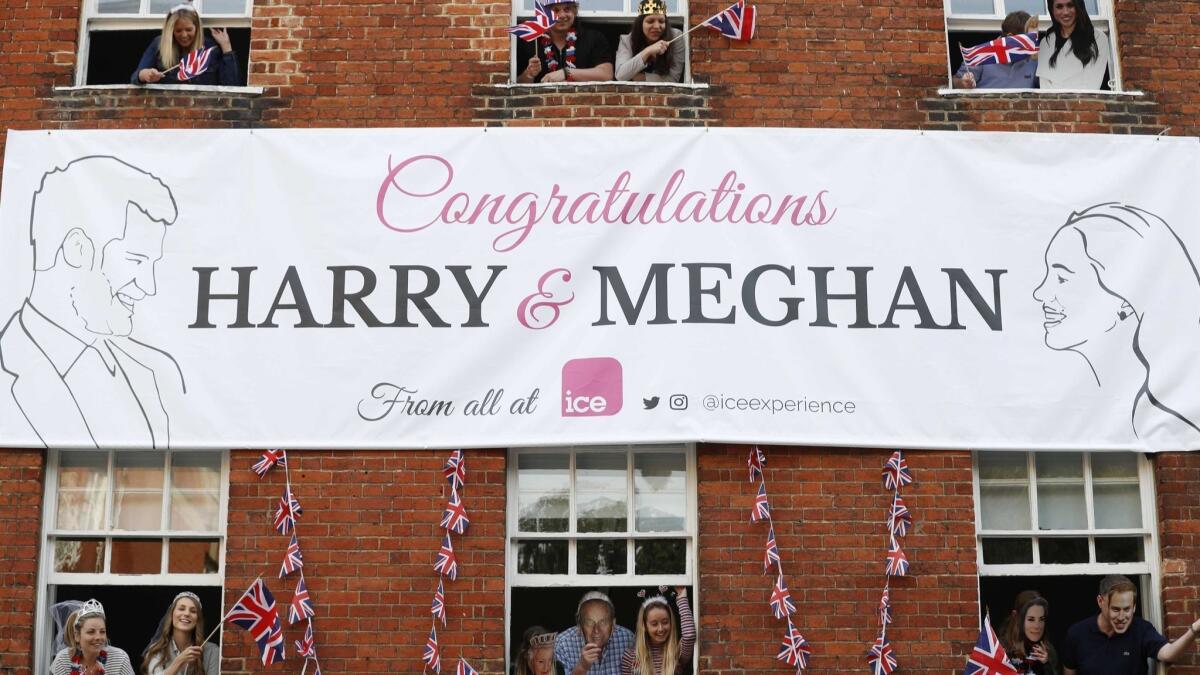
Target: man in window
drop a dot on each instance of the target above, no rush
(594, 645)
(67, 361)
(1015, 75)
(1116, 642)
(567, 52)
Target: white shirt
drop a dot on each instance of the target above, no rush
(1068, 72)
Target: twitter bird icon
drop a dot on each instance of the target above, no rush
(650, 403)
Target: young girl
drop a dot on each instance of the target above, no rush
(657, 650)
(176, 649)
(87, 651)
(182, 34)
(646, 53)
(1023, 636)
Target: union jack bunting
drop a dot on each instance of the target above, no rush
(194, 64)
(772, 554)
(432, 656)
(755, 462)
(287, 513)
(301, 606)
(735, 22)
(455, 470)
(256, 613)
(885, 609)
(307, 648)
(439, 603)
(897, 562)
(454, 518)
(293, 559)
(465, 668)
(270, 648)
(988, 657)
(762, 508)
(535, 28)
(901, 518)
(795, 650)
(881, 657)
(781, 599)
(445, 562)
(1004, 49)
(270, 458)
(895, 473)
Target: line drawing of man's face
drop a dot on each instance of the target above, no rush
(1076, 306)
(121, 274)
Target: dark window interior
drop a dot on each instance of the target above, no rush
(1071, 599)
(114, 54)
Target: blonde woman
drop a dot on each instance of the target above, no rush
(183, 34)
(87, 651)
(657, 649)
(176, 647)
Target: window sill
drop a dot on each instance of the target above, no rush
(249, 91)
(1038, 93)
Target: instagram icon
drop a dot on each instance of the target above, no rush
(591, 387)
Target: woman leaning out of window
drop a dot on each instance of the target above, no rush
(647, 52)
(208, 61)
(1072, 54)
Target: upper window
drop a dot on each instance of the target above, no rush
(115, 33)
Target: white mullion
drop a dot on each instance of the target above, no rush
(976, 490)
(630, 508)
(165, 512)
(111, 486)
(572, 552)
(1089, 506)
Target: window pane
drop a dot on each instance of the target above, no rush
(542, 557)
(660, 492)
(1120, 549)
(196, 471)
(194, 511)
(82, 490)
(1034, 7)
(1117, 506)
(601, 556)
(136, 556)
(1114, 465)
(85, 556)
(543, 500)
(664, 556)
(600, 472)
(542, 512)
(1061, 507)
(119, 6)
(193, 556)
(164, 6)
(138, 491)
(1004, 508)
(1063, 551)
(224, 6)
(1007, 551)
(195, 491)
(972, 7)
(1003, 465)
(602, 513)
(601, 499)
(1059, 465)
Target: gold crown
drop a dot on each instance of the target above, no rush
(542, 639)
(652, 7)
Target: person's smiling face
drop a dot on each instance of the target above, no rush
(185, 33)
(1064, 14)
(1035, 623)
(93, 637)
(658, 625)
(185, 615)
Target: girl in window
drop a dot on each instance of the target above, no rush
(536, 656)
(646, 53)
(87, 651)
(209, 61)
(176, 647)
(1023, 636)
(1072, 54)
(657, 650)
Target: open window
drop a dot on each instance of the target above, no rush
(115, 33)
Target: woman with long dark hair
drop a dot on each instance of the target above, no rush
(647, 53)
(1023, 636)
(176, 648)
(1072, 53)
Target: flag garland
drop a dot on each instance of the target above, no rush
(454, 520)
(895, 475)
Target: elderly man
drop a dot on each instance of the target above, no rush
(568, 52)
(594, 645)
(67, 362)
(1116, 642)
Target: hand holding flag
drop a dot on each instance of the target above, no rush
(536, 27)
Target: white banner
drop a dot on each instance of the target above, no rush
(461, 287)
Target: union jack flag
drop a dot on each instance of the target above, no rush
(445, 562)
(885, 608)
(255, 612)
(755, 462)
(455, 470)
(988, 657)
(881, 657)
(465, 668)
(439, 603)
(795, 650)
(762, 508)
(901, 518)
(194, 64)
(432, 656)
(454, 518)
(535, 28)
(301, 607)
(270, 458)
(735, 22)
(772, 555)
(287, 513)
(293, 559)
(1004, 49)
(307, 648)
(895, 473)
(897, 562)
(781, 599)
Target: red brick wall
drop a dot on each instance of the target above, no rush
(1177, 475)
(22, 473)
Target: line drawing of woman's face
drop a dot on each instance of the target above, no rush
(1076, 306)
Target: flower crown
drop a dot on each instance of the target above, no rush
(183, 7)
(542, 640)
(652, 7)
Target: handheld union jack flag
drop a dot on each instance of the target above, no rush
(194, 63)
(535, 28)
(895, 473)
(445, 562)
(881, 657)
(901, 517)
(465, 668)
(762, 508)
(755, 462)
(988, 657)
(885, 609)
(270, 458)
(287, 513)
(772, 554)
(438, 608)
(897, 562)
(454, 518)
(256, 613)
(781, 599)
(432, 656)
(301, 606)
(735, 22)
(293, 559)
(307, 648)
(1004, 49)
(455, 470)
(795, 650)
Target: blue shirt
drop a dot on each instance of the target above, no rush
(1019, 75)
(1088, 651)
(569, 644)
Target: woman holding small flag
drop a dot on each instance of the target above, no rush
(182, 55)
(176, 649)
(1023, 636)
(566, 52)
(650, 52)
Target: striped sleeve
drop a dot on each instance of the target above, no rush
(687, 631)
(628, 660)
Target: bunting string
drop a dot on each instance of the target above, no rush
(896, 475)
(454, 521)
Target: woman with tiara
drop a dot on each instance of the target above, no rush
(176, 648)
(658, 649)
(87, 651)
(647, 52)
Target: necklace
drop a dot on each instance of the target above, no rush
(568, 52)
(77, 667)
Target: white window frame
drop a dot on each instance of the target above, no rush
(1104, 21)
(92, 20)
(48, 578)
(1149, 568)
(512, 536)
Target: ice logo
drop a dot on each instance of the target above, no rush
(591, 387)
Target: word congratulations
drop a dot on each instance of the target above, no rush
(730, 202)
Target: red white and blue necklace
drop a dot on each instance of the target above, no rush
(568, 52)
(78, 668)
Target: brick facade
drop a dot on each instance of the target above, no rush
(22, 473)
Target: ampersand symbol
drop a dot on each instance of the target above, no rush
(530, 308)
